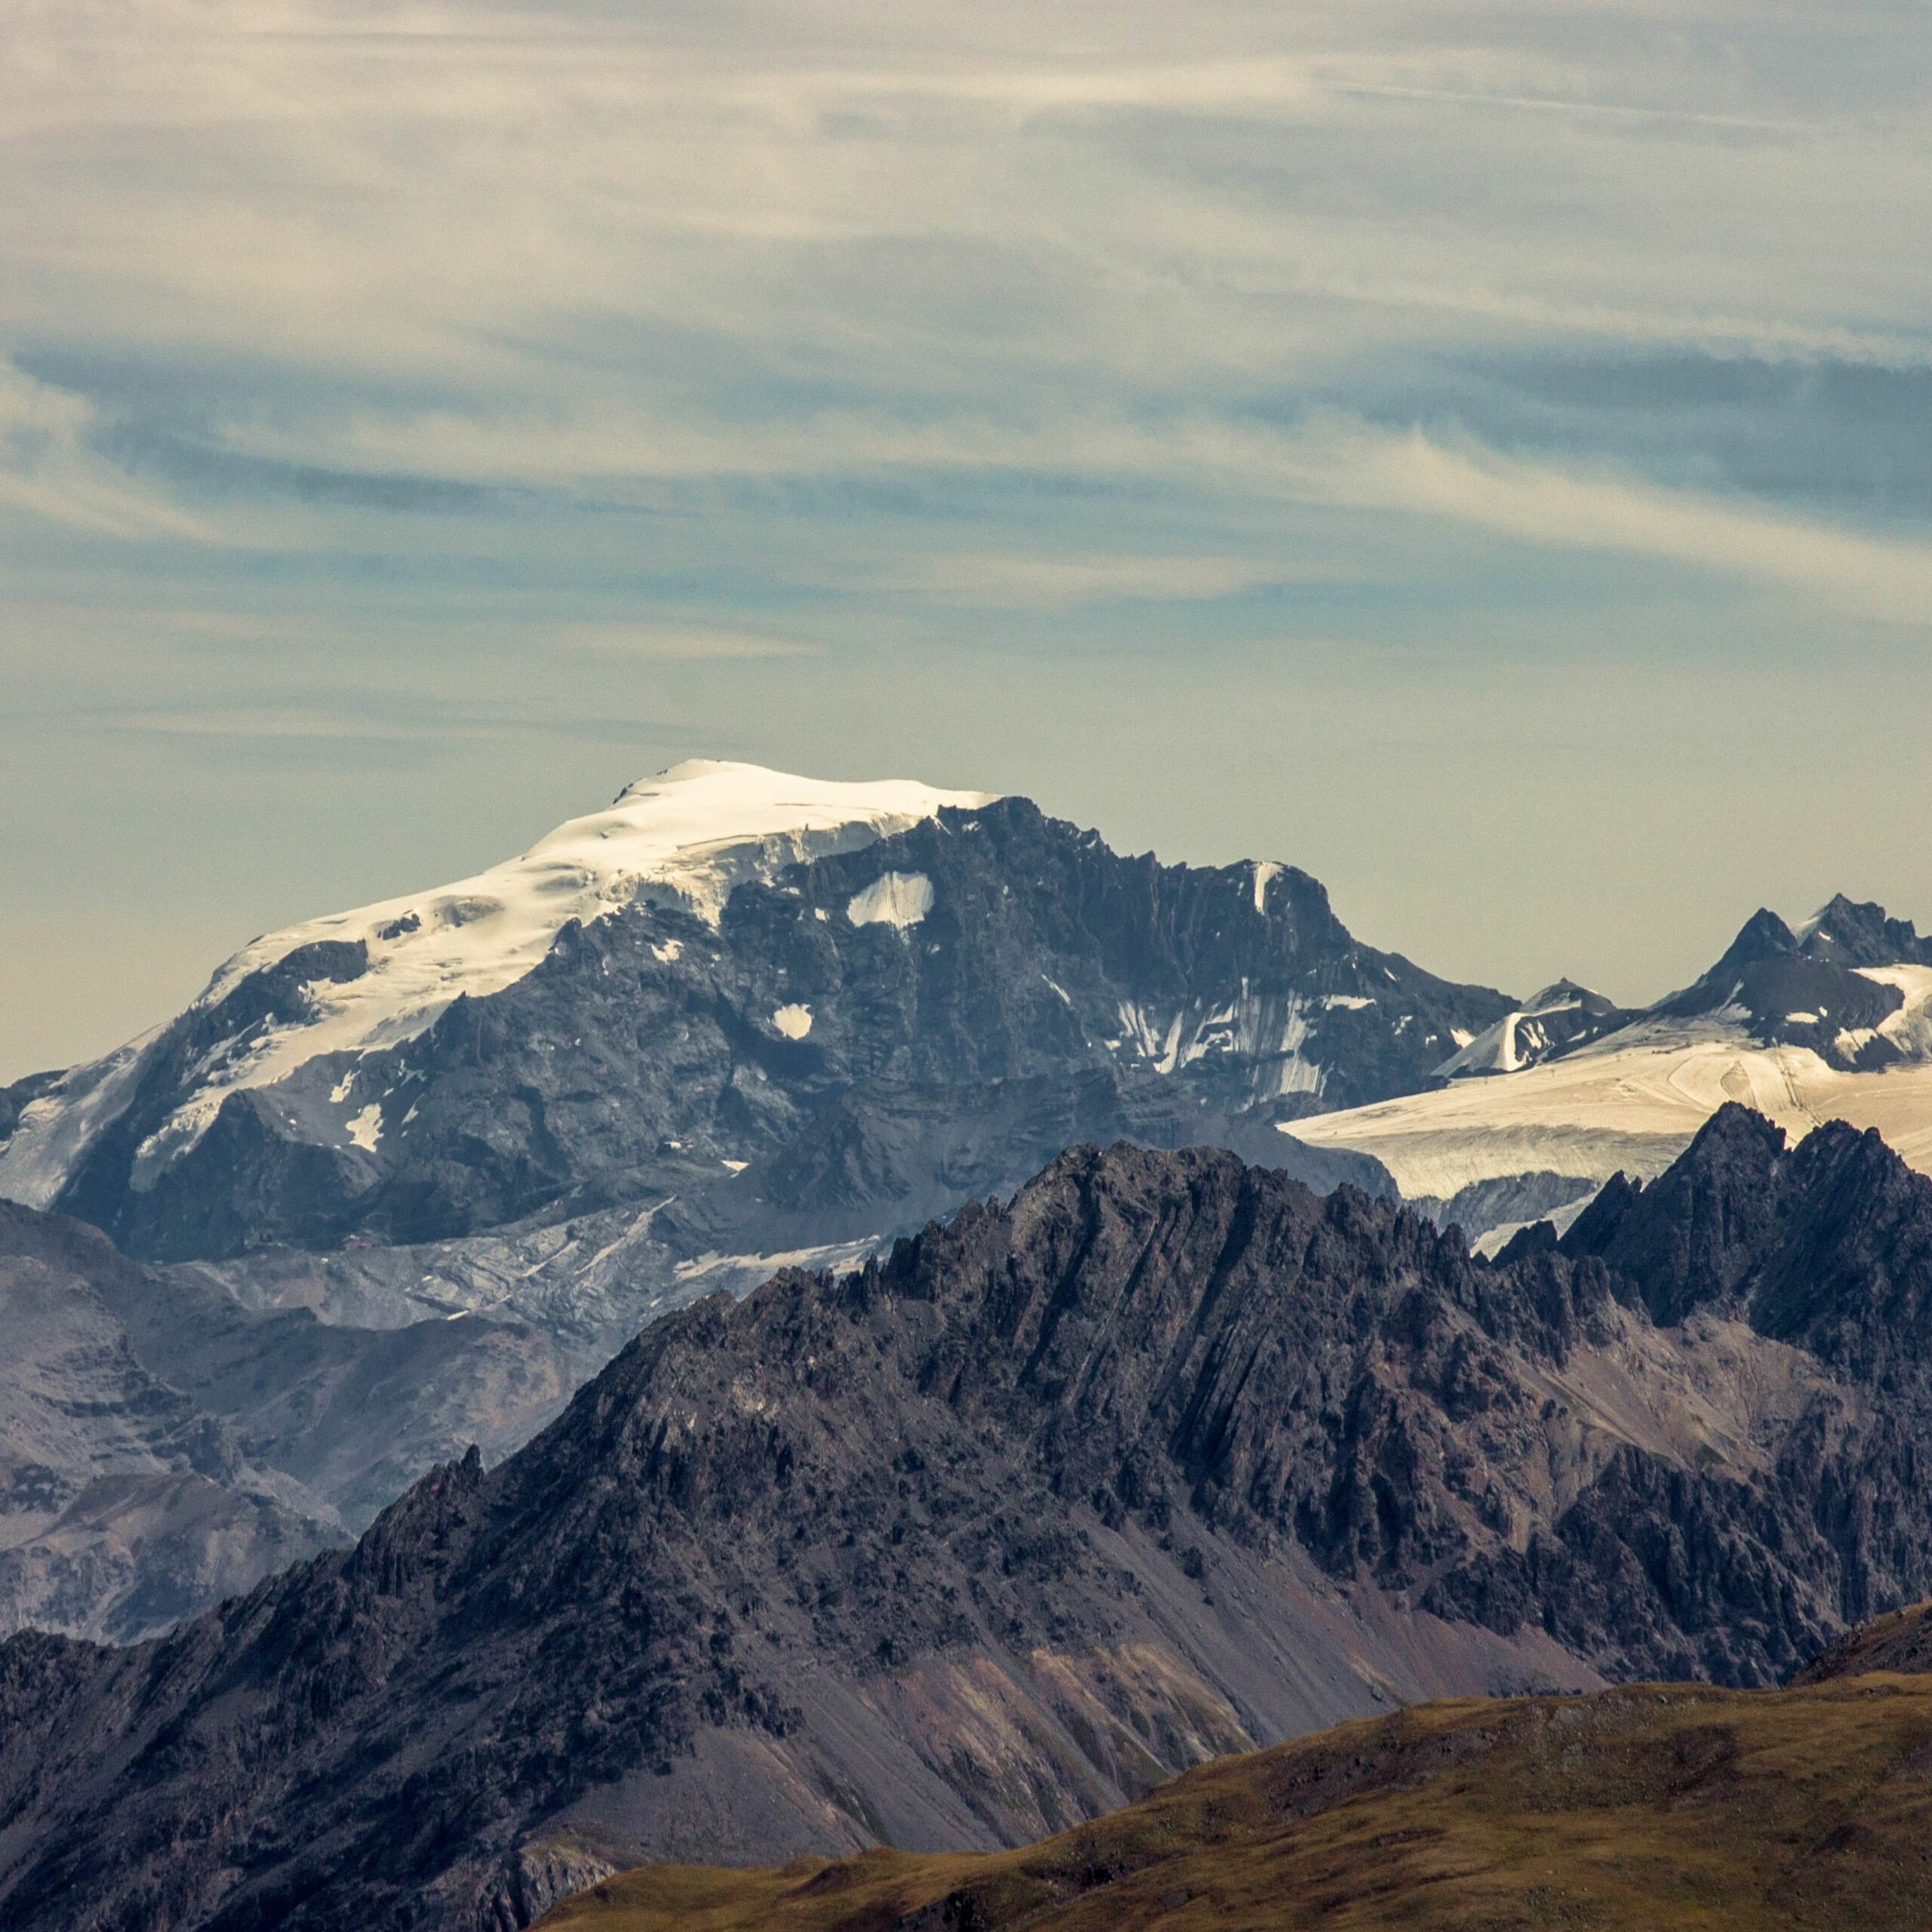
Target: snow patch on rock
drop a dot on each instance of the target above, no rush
(1268, 1031)
(893, 898)
(1910, 1028)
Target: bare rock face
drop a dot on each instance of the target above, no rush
(531, 1881)
(1168, 1456)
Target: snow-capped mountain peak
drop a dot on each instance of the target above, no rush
(725, 968)
(381, 973)
(686, 836)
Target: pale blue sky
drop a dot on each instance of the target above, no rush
(1481, 453)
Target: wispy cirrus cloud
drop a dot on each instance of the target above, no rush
(714, 369)
(50, 472)
(1572, 507)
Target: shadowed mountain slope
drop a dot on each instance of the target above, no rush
(162, 1448)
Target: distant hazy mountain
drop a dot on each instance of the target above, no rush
(123, 1504)
(1170, 1456)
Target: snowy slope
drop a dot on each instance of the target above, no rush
(1560, 1017)
(1634, 1099)
(686, 838)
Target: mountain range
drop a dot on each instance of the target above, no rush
(403, 1177)
(1168, 1456)
(718, 974)
(1831, 1022)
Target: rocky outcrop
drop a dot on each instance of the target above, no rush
(529, 1881)
(1166, 1456)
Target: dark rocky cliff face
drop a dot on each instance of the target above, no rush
(1168, 1456)
(650, 1048)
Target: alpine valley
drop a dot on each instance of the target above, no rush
(795, 1316)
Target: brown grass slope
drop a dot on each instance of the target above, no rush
(1658, 1808)
(1901, 1641)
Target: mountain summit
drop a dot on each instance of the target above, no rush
(1848, 985)
(359, 982)
(723, 966)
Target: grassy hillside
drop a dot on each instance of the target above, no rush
(1901, 1641)
(1660, 1808)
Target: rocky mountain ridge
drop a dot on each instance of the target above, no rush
(1842, 985)
(1168, 1456)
